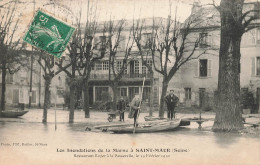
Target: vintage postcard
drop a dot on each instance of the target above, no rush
(151, 82)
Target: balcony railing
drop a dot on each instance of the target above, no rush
(125, 76)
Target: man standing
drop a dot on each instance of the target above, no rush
(135, 103)
(121, 107)
(171, 101)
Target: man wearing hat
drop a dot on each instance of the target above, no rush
(171, 101)
(135, 107)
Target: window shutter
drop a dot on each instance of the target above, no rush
(197, 68)
(253, 66)
(209, 68)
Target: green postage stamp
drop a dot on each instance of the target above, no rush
(49, 34)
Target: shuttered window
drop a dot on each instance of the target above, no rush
(187, 93)
(258, 66)
(255, 63)
(204, 68)
(253, 66)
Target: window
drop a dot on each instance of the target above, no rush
(134, 69)
(187, 93)
(145, 69)
(204, 40)
(98, 66)
(255, 66)
(9, 78)
(105, 65)
(123, 92)
(119, 65)
(204, 68)
(258, 66)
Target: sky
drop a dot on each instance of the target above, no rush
(114, 9)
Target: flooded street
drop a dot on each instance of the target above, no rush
(27, 141)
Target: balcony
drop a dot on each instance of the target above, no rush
(134, 76)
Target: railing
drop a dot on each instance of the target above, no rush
(124, 76)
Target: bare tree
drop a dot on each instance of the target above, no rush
(114, 40)
(47, 63)
(12, 58)
(234, 23)
(143, 44)
(171, 45)
(88, 55)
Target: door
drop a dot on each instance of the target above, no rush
(132, 68)
(201, 96)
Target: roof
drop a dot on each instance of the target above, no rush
(209, 16)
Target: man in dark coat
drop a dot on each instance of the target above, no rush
(135, 106)
(121, 107)
(171, 101)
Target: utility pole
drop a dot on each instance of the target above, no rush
(31, 74)
(40, 85)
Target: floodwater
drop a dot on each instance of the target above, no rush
(27, 141)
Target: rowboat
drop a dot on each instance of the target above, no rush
(126, 124)
(12, 113)
(153, 118)
(148, 128)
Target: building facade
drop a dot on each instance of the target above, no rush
(199, 77)
(18, 87)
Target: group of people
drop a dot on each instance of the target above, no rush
(171, 100)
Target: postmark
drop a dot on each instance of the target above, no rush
(48, 34)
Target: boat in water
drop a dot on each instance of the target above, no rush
(169, 125)
(153, 118)
(12, 113)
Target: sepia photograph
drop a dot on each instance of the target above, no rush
(125, 82)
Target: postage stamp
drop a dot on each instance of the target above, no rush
(49, 34)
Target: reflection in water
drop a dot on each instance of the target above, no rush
(226, 139)
(200, 144)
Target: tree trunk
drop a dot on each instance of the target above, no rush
(86, 98)
(3, 86)
(164, 90)
(46, 97)
(114, 88)
(151, 95)
(72, 100)
(228, 110)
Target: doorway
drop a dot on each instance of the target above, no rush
(202, 92)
